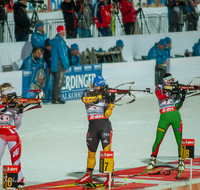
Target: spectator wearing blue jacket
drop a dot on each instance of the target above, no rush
(59, 63)
(75, 60)
(39, 37)
(196, 49)
(168, 47)
(157, 52)
(118, 47)
(34, 60)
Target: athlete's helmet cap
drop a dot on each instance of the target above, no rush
(99, 81)
(168, 78)
(7, 90)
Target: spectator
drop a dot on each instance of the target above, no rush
(168, 47)
(196, 49)
(119, 47)
(192, 14)
(75, 60)
(101, 59)
(59, 63)
(47, 55)
(22, 22)
(128, 15)
(39, 36)
(102, 17)
(69, 10)
(33, 60)
(157, 52)
(85, 20)
(175, 10)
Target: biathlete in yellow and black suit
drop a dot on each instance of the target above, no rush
(99, 108)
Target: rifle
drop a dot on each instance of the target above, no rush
(19, 100)
(123, 92)
(182, 86)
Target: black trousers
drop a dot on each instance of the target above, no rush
(192, 26)
(71, 33)
(129, 28)
(58, 82)
(99, 130)
(159, 73)
(175, 28)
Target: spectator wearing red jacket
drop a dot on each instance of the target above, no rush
(102, 17)
(128, 15)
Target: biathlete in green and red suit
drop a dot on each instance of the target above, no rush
(170, 101)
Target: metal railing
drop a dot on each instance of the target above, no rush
(152, 23)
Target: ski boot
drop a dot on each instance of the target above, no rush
(151, 164)
(181, 165)
(57, 101)
(20, 186)
(86, 178)
(106, 183)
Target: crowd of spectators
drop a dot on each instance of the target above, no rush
(55, 55)
(79, 15)
(180, 11)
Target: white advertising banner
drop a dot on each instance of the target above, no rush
(185, 69)
(142, 73)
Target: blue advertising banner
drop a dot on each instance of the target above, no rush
(77, 79)
(156, 2)
(34, 80)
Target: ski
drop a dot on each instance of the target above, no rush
(58, 186)
(89, 185)
(114, 185)
(179, 174)
(165, 171)
(141, 173)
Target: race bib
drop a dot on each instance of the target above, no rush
(167, 102)
(4, 118)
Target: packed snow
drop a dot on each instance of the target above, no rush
(54, 137)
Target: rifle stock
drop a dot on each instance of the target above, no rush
(22, 100)
(116, 91)
(183, 87)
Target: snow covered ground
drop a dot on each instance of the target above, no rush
(54, 144)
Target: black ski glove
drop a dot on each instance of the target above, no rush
(174, 91)
(21, 108)
(112, 98)
(11, 104)
(183, 92)
(105, 95)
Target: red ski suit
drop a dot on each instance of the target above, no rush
(128, 12)
(102, 14)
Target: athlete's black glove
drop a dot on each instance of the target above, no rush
(174, 91)
(183, 92)
(111, 98)
(21, 108)
(105, 95)
(12, 104)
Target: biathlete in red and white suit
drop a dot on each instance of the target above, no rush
(99, 108)
(10, 121)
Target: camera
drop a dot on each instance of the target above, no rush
(35, 1)
(3, 2)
